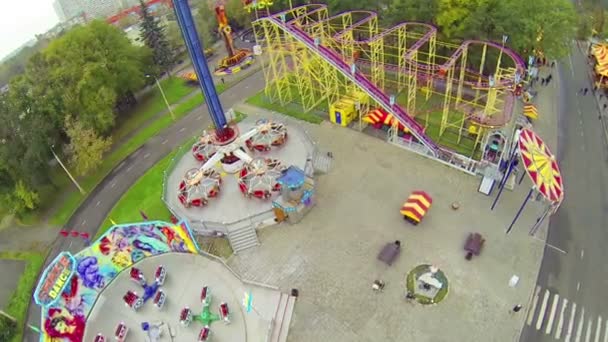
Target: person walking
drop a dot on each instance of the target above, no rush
(586, 90)
(517, 308)
(223, 81)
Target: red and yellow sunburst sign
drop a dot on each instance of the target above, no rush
(541, 166)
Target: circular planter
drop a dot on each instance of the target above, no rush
(412, 283)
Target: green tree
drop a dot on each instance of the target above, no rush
(412, 10)
(546, 25)
(86, 148)
(153, 35)
(86, 72)
(25, 198)
(206, 25)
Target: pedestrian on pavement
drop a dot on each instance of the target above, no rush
(586, 90)
(223, 82)
(516, 308)
(542, 81)
(550, 77)
(553, 64)
(548, 80)
(605, 106)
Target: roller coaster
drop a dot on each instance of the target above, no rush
(316, 60)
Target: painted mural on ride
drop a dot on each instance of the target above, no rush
(70, 285)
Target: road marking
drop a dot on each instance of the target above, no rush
(113, 185)
(200, 117)
(534, 302)
(165, 141)
(182, 129)
(580, 122)
(582, 253)
(560, 323)
(579, 112)
(582, 134)
(589, 328)
(571, 64)
(571, 322)
(146, 155)
(129, 168)
(552, 314)
(598, 330)
(579, 328)
(98, 203)
(578, 286)
(543, 307)
(83, 222)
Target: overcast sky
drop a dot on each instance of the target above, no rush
(21, 20)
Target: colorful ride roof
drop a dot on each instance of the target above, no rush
(541, 165)
(380, 116)
(417, 205)
(530, 111)
(602, 70)
(601, 54)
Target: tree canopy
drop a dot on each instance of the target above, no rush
(82, 75)
(153, 35)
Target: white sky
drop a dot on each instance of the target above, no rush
(21, 20)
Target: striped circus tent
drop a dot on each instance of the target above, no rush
(530, 111)
(601, 70)
(600, 52)
(379, 117)
(416, 206)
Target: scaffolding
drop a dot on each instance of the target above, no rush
(446, 87)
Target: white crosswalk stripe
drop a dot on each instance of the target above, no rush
(552, 314)
(533, 307)
(543, 307)
(560, 323)
(555, 315)
(580, 325)
(598, 329)
(571, 324)
(589, 328)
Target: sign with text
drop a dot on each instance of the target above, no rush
(54, 279)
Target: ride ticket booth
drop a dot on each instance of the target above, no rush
(297, 196)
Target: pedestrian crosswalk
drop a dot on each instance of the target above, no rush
(564, 320)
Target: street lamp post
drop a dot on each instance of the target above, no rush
(67, 171)
(163, 94)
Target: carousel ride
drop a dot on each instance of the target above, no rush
(205, 317)
(257, 177)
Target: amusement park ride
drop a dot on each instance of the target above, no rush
(153, 290)
(317, 59)
(236, 59)
(257, 177)
(206, 317)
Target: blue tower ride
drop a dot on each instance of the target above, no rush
(205, 80)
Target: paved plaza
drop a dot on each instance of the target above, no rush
(331, 255)
(186, 275)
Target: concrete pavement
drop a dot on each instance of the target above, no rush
(93, 211)
(570, 302)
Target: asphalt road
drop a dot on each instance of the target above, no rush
(91, 214)
(571, 303)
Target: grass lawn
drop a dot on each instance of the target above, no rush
(20, 299)
(145, 195)
(151, 104)
(293, 110)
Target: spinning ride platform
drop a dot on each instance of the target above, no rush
(230, 205)
(187, 273)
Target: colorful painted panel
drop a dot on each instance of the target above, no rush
(96, 266)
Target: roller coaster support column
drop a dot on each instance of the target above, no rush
(481, 67)
(205, 80)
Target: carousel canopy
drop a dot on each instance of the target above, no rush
(541, 166)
